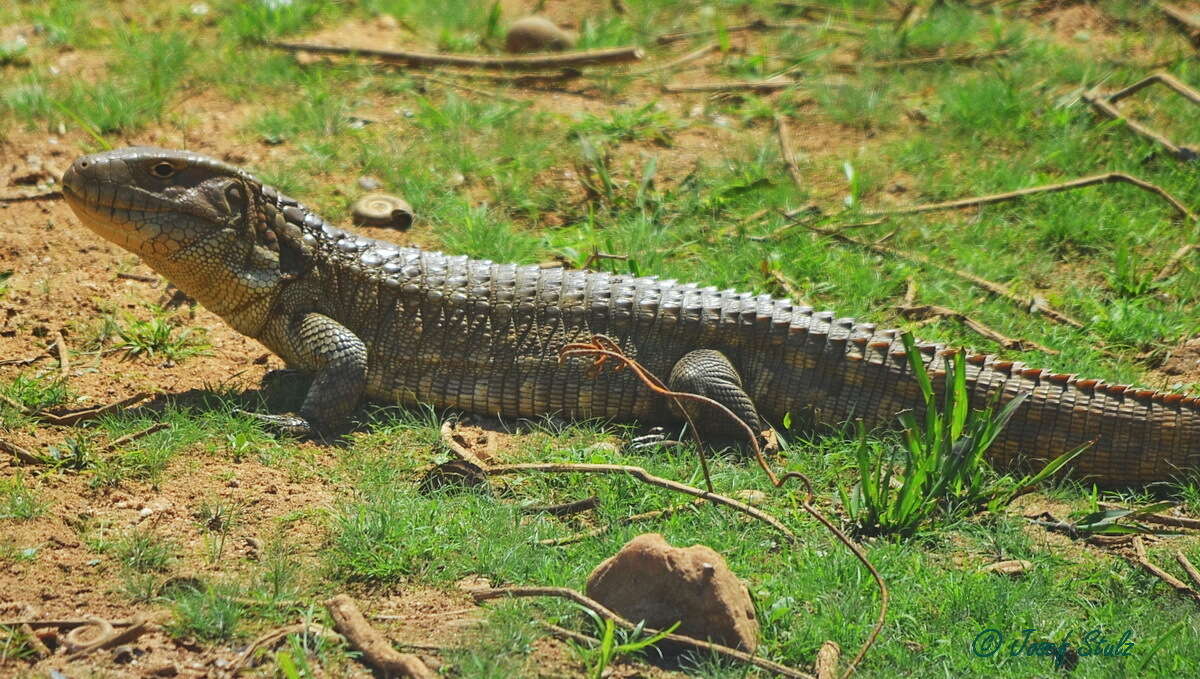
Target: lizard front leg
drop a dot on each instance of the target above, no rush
(320, 345)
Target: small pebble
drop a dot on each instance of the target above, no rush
(369, 183)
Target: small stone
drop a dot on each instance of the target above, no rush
(169, 669)
(1010, 567)
(123, 654)
(369, 183)
(651, 580)
(387, 22)
(537, 34)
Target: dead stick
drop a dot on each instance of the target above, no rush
(450, 439)
(759, 25)
(645, 477)
(15, 404)
(685, 59)
(1173, 262)
(734, 86)
(924, 311)
(599, 609)
(1161, 519)
(91, 413)
(48, 195)
(1182, 19)
(64, 356)
(565, 508)
(1188, 567)
(275, 636)
(64, 623)
(1107, 178)
(377, 651)
(1178, 585)
(1166, 79)
(1102, 105)
(827, 660)
(137, 277)
(922, 61)
(993, 287)
(117, 443)
(20, 453)
(787, 153)
(540, 62)
(595, 532)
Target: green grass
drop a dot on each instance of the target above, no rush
(672, 182)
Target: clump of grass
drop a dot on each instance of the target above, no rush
(614, 644)
(17, 501)
(207, 613)
(139, 550)
(263, 19)
(944, 470)
(647, 122)
(37, 393)
(156, 336)
(15, 645)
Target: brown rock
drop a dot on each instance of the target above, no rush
(651, 580)
(537, 34)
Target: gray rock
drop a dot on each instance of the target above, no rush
(537, 34)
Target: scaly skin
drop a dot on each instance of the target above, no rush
(372, 319)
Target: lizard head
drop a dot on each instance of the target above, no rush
(199, 222)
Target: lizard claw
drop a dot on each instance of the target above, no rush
(656, 437)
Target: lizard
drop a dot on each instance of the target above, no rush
(370, 319)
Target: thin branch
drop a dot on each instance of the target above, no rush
(537, 62)
(601, 530)
(681, 61)
(787, 153)
(39, 647)
(645, 477)
(1182, 19)
(924, 311)
(458, 445)
(108, 637)
(1107, 178)
(565, 508)
(1188, 568)
(376, 650)
(1032, 305)
(925, 61)
(117, 443)
(1161, 519)
(1106, 105)
(270, 639)
(758, 26)
(596, 607)
(1172, 264)
(137, 277)
(47, 195)
(732, 86)
(77, 416)
(20, 453)
(1178, 585)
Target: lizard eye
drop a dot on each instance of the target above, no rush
(162, 170)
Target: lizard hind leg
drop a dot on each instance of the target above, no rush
(708, 372)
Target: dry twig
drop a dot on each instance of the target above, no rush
(77, 416)
(924, 311)
(681, 61)
(787, 153)
(599, 609)
(1161, 519)
(20, 453)
(924, 61)
(1032, 305)
(376, 650)
(1188, 568)
(601, 530)
(1139, 549)
(565, 508)
(733, 86)
(137, 277)
(1106, 105)
(537, 62)
(1184, 20)
(757, 26)
(1168, 269)
(1106, 178)
(47, 195)
(270, 639)
(118, 442)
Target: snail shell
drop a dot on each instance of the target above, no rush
(381, 209)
